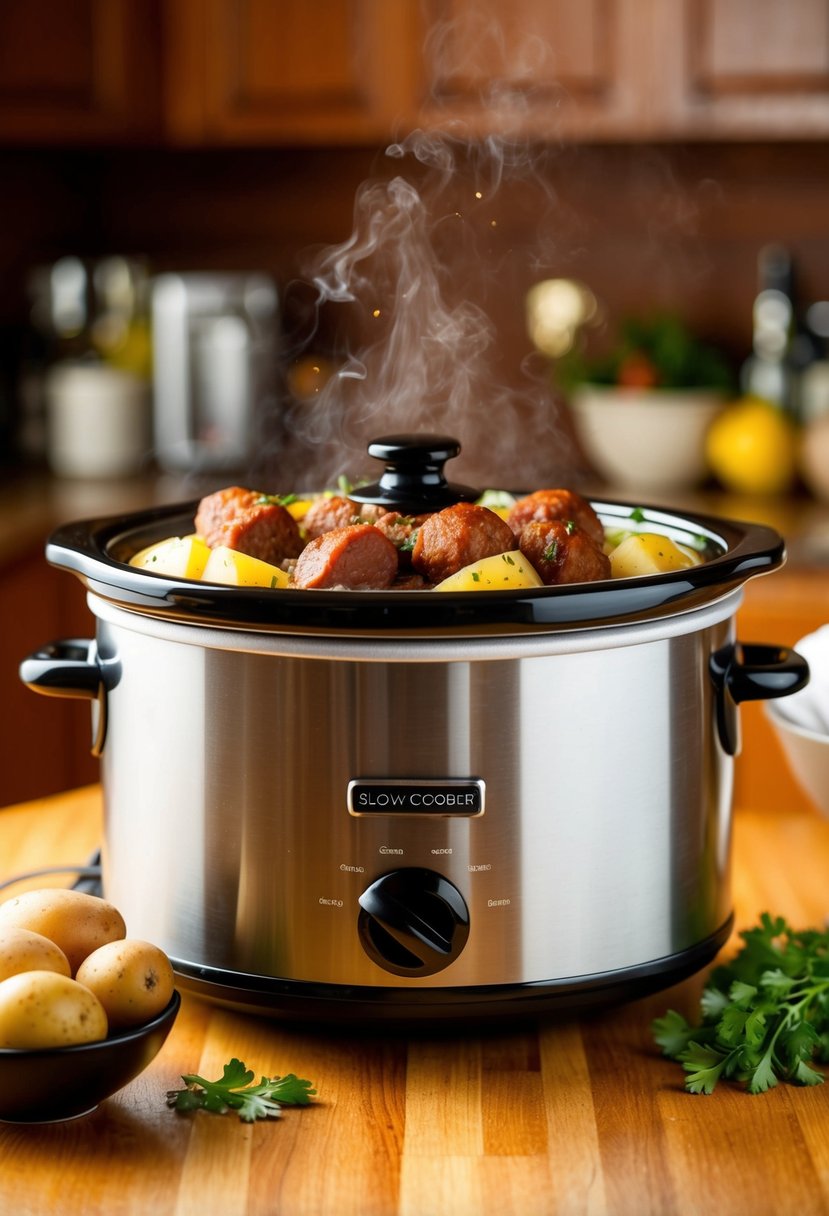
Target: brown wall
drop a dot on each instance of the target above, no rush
(674, 227)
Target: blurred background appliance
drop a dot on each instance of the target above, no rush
(215, 354)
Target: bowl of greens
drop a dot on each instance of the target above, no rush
(642, 412)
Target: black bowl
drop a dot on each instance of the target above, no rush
(57, 1083)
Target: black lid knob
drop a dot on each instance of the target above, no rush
(413, 480)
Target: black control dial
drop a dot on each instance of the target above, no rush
(413, 922)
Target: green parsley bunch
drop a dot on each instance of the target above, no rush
(235, 1091)
(764, 1015)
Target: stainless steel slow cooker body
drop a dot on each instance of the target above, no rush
(409, 804)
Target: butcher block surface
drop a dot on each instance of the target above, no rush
(575, 1114)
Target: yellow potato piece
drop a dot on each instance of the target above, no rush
(299, 507)
(23, 950)
(240, 570)
(40, 1009)
(132, 979)
(76, 922)
(650, 553)
(178, 556)
(504, 572)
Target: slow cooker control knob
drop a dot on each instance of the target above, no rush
(413, 922)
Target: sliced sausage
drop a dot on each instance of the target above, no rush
(557, 504)
(251, 522)
(563, 553)
(215, 510)
(356, 558)
(327, 513)
(453, 538)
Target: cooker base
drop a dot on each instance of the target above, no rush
(361, 1006)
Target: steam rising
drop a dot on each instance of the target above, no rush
(428, 255)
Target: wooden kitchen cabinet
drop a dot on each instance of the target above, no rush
(633, 69)
(85, 71)
(255, 71)
(288, 72)
(259, 71)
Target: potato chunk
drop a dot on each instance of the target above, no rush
(503, 572)
(42, 1009)
(650, 553)
(178, 556)
(241, 570)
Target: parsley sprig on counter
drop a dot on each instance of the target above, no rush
(234, 1091)
(765, 1014)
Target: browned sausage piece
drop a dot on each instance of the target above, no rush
(557, 504)
(356, 558)
(326, 514)
(453, 538)
(215, 510)
(332, 511)
(251, 522)
(562, 553)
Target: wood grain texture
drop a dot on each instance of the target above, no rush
(570, 1115)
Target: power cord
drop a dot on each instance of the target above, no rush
(88, 874)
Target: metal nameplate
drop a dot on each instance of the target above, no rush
(448, 796)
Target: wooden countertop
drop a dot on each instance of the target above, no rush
(573, 1115)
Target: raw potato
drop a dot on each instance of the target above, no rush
(132, 979)
(178, 556)
(240, 570)
(76, 922)
(650, 553)
(43, 1009)
(23, 950)
(498, 573)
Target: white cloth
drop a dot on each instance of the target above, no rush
(809, 708)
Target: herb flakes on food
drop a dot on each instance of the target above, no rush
(764, 1015)
(234, 1091)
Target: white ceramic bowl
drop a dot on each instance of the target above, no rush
(645, 440)
(807, 754)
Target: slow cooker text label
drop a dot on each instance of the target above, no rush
(373, 796)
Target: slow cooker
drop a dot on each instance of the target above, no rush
(407, 805)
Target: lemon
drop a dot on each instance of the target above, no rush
(751, 447)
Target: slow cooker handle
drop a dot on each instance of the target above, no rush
(751, 672)
(71, 668)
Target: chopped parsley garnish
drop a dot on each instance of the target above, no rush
(764, 1015)
(569, 527)
(506, 557)
(637, 515)
(476, 578)
(235, 1092)
(276, 500)
(551, 552)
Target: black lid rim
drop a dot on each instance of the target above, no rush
(97, 551)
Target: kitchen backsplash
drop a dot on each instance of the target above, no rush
(676, 227)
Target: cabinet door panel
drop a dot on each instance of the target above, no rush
(78, 70)
(258, 72)
(755, 67)
(756, 46)
(546, 67)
